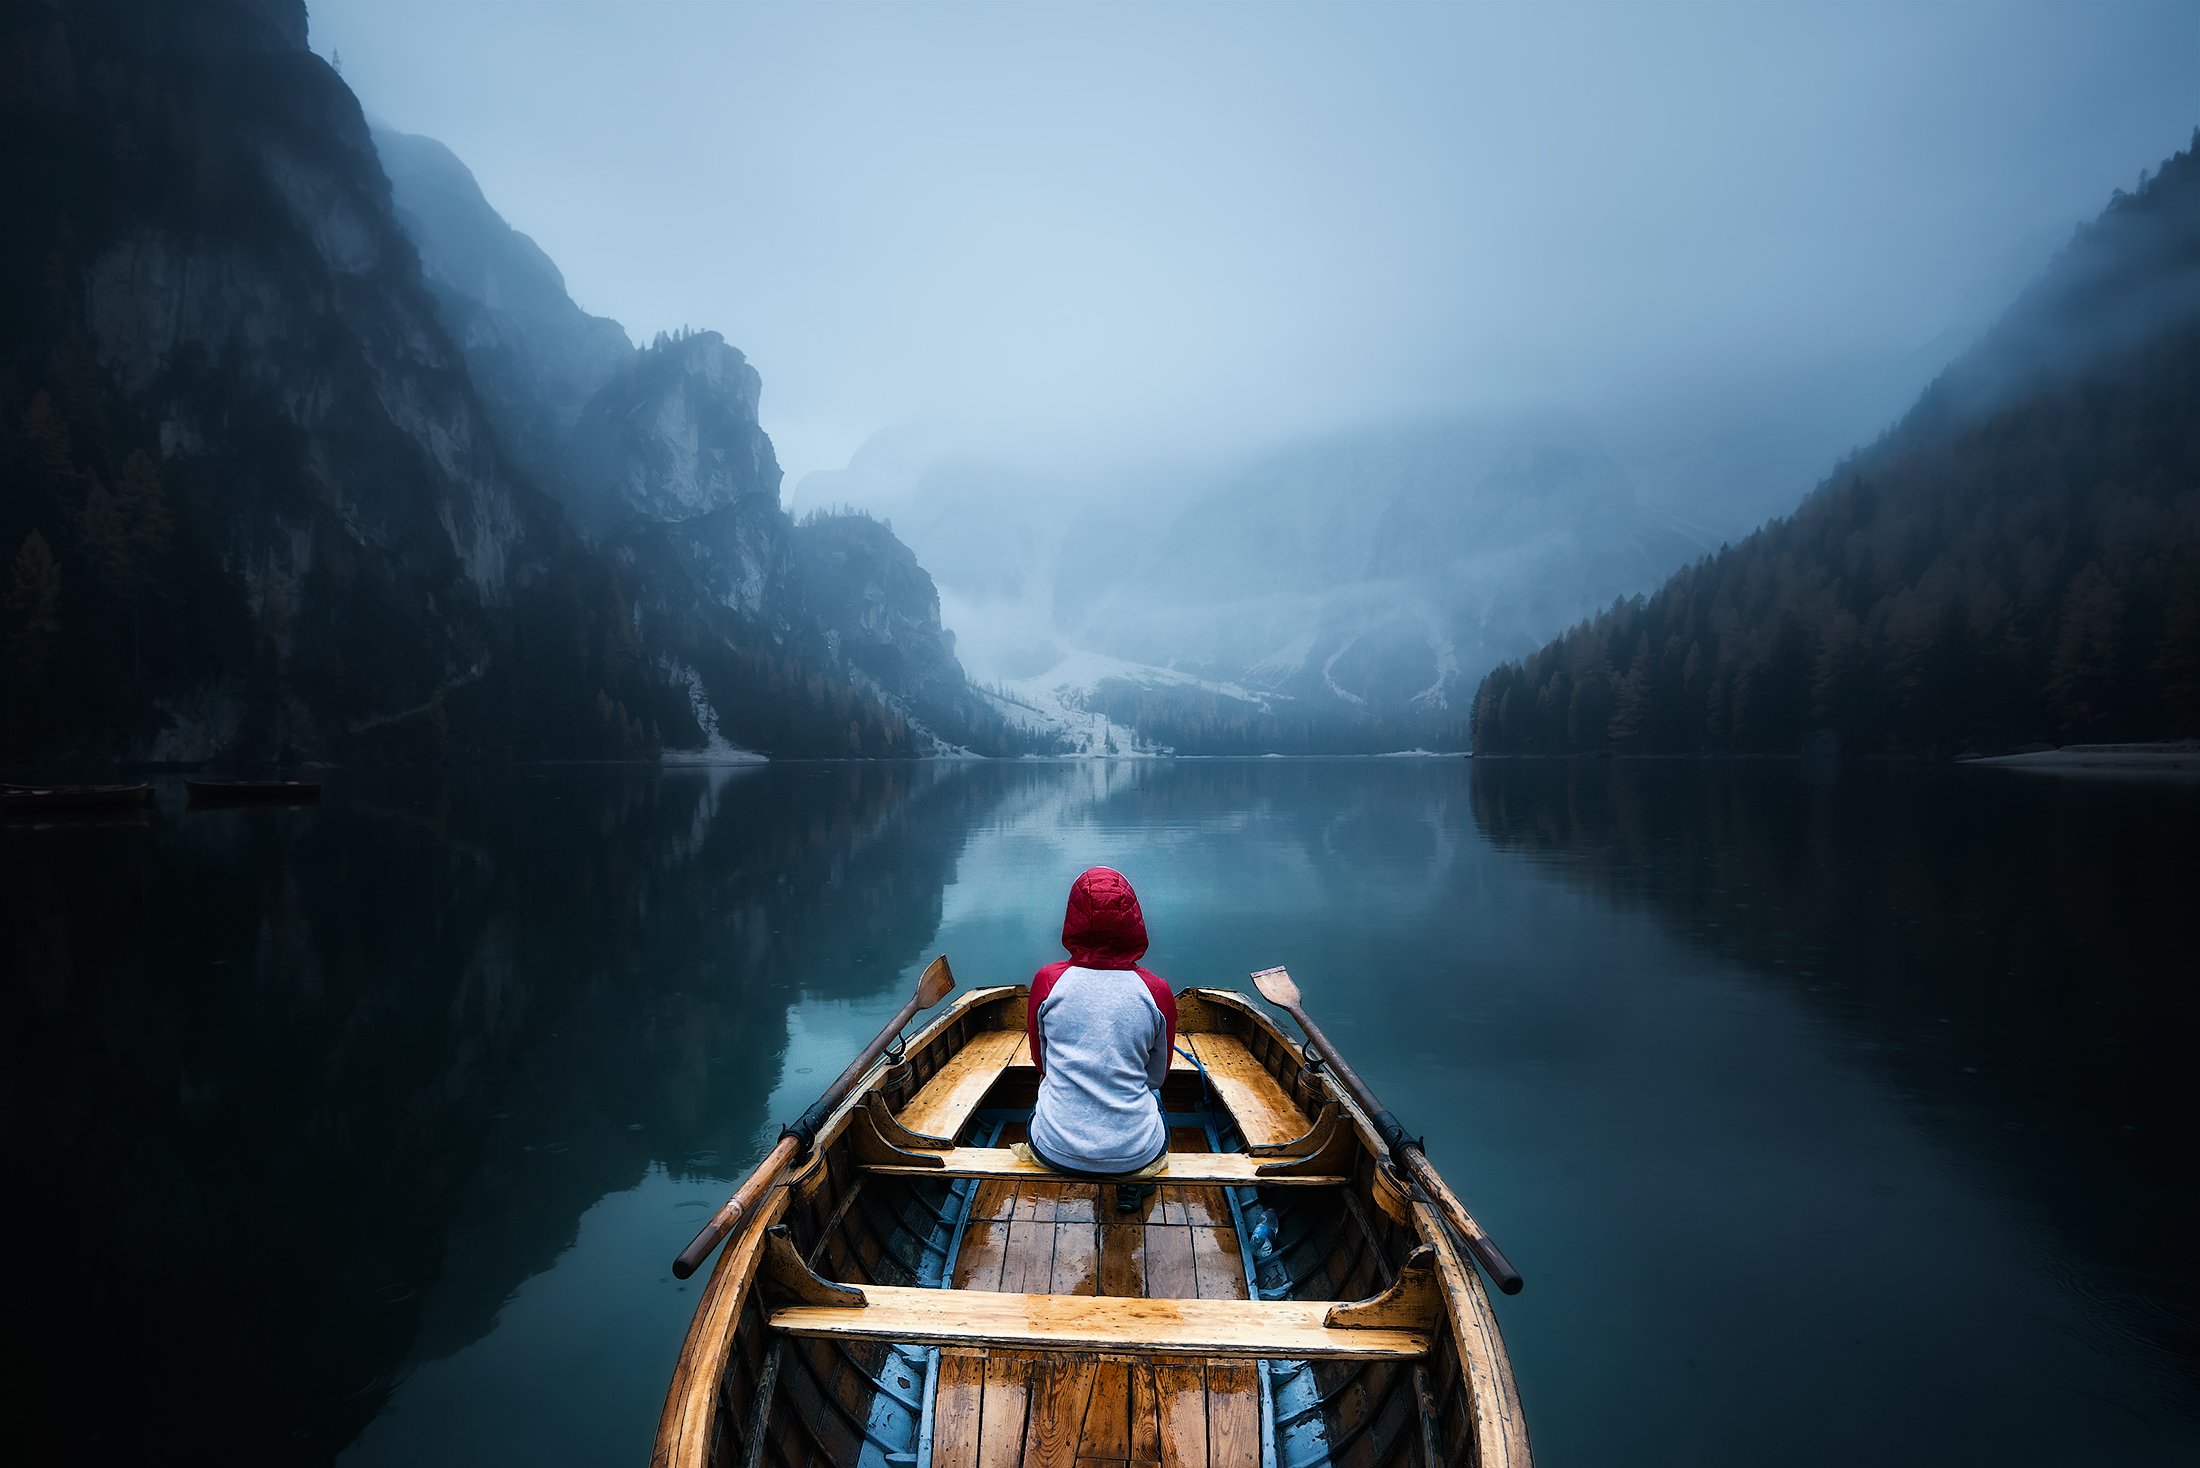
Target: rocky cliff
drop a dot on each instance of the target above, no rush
(665, 466)
(283, 482)
(536, 358)
(254, 504)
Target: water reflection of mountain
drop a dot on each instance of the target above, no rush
(2015, 955)
(300, 1095)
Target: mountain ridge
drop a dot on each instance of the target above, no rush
(2015, 561)
(286, 485)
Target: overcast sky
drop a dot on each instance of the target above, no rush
(1216, 224)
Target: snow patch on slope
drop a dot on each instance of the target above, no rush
(716, 748)
(1059, 700)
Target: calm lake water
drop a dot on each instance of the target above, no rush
(1833, 1119)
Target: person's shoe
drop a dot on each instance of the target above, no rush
(1130, 1197)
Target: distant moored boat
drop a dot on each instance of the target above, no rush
(57, 798)
(253, 792)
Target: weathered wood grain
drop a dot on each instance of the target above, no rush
(1006, 1404)
(945, 1102)
(1224, 1169)
(1285, 1329)
(1060, 1388)
(1265, 1114)
(956, 1410)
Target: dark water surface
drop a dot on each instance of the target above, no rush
(1834, 1119)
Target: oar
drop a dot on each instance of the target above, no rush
(1276, 987)
(794, 1140)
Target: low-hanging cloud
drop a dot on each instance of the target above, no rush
(1077, 230)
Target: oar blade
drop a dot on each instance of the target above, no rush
(938, 979)
(1276, 987)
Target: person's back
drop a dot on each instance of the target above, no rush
(1102, 1030)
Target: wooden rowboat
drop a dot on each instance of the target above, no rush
(43, 798)
(254, 792)
(913, 1293)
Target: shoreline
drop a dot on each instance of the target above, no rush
(2172, 757)
(2181, 757)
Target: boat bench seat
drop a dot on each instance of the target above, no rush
(1264, 1113)
(1292, 1330)
(943, 1103)
(1227, 1169)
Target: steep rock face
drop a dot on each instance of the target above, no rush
(675, 436)
(881, 613)
(269, 488)
(535, 357)
(686, 489)
(206, 272)
(667, 469)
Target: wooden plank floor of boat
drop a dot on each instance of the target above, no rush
(1080, 1411)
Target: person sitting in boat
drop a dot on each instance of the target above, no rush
(1102, 1030)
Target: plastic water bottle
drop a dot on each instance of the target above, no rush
(1264, 1234)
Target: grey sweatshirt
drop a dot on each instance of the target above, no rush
(1103, 1050)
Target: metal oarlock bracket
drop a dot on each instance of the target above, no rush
(1311, 1057)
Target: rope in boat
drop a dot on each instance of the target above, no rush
(1205, 1089)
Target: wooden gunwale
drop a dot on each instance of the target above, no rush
(1459, 1401)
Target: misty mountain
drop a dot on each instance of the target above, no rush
(1343, 593)
(283, 482)
(1380, 570)
(536, 358)
(253, 502)
(660, 458)
(1723, 459)
(2016, 561)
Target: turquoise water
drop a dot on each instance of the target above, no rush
(1832, 1118)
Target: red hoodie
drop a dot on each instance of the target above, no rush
(1102, 928)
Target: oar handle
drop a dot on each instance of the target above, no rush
(736, 1208)
(1408, 1154)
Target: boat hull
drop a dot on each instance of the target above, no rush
(252, 792)
(37, 799)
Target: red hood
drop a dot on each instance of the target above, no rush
(1103, 927)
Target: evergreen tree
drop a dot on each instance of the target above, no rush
(34, 610)
(2017, 561)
